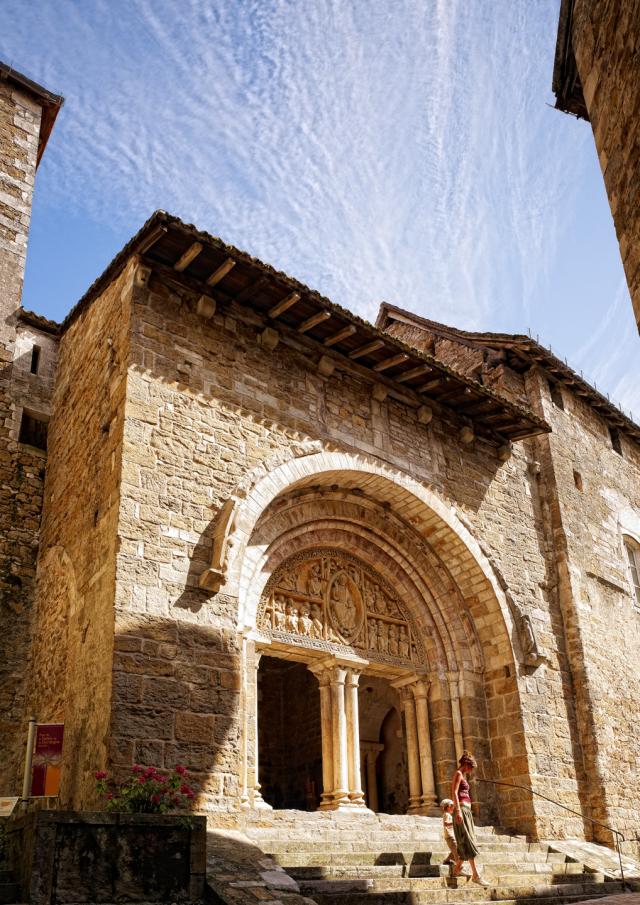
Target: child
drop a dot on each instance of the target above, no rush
(446, 806)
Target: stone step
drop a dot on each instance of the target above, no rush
(331, 894)
(366, 871)
(319, 858)
(376, 836)
(364, 843)
(438, 882)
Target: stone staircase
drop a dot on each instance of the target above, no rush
(339, 859)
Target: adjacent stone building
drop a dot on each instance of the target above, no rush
(313, 559)
(28, 348)
(596, 77)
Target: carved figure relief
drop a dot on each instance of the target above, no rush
(344, 606)
(330, 600)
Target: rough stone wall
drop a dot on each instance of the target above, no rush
(21, 468)
(605, 38)
(602, 622)
(74, 617)
(206, 404)
(19, 131)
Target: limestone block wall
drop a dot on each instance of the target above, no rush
(206, 405)
(21, 468)
(605, 38)
(598, 501)
(19, 132)
(73, 630)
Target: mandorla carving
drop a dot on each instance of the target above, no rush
(329, 599)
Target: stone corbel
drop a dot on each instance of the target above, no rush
(533, 654)
(212, 578)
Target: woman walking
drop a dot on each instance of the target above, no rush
(463, 824)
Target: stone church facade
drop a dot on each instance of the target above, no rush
(313, 558)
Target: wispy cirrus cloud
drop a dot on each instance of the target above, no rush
(377, 151)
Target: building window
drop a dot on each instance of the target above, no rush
(35, 359)
(633, 555)
(33, 430)
(556, 394)
(616, 443)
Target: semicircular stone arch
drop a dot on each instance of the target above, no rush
(405, 537)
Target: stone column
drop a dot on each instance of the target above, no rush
(356, 795)
(244, 794)
(421, 694)
(340, 744)
(413, 758)
(456, 715)
(372, 780)
(370, 752)
(256, 798)
(326, 726)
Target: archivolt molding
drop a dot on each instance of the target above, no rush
(410, 499)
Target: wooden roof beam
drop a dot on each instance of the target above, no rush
(284, 304)
(252, 289)
(188, 256)
(432, 384)
(221, 272)
(367, 349)
(154, 236)
(314, 320)
(455, 394)
(500, 416)
(391, 362)
(340, 335)
(483, 407)
(413, 373)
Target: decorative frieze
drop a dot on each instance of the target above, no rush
(330, 601)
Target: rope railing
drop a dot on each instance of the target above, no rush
(619, 837)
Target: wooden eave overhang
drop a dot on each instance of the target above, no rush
(180, 253)
(38, 321)
(50, 103)
(521, 353)
(566, 81)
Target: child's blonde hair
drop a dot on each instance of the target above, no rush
(445, 803)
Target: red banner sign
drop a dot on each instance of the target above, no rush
(47, 759)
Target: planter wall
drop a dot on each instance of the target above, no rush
(70, 857)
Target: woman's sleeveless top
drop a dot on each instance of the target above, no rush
(464, 790)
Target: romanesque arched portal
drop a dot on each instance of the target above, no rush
(365, 575)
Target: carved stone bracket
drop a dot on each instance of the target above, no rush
(212, 578)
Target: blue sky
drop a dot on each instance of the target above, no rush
(400, 151)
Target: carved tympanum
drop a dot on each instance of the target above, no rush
(328, 599)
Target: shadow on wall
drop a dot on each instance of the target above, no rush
(176, 699)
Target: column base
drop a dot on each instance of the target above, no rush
(426, 810)
(259, 804)
(339, 801)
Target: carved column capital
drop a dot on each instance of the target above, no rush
(421, 688)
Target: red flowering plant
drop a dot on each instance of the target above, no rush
(146, 791)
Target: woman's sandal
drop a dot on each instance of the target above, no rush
(480, 881)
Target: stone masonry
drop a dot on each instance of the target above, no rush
(423, 529)
(26, 116)
(597, 77)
